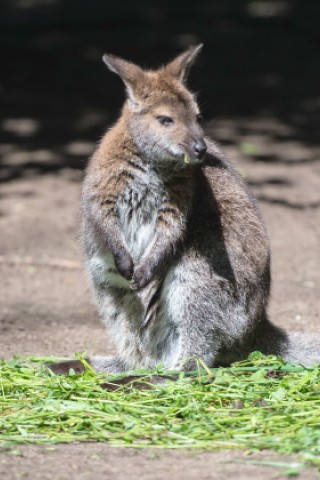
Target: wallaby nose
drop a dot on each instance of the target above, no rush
(200, 148)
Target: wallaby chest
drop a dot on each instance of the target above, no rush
(137, 208)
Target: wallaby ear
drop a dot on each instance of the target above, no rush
(130, 74)
(180, 66)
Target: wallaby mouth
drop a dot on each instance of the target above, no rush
(188, 160)
(192, 160)
(196, 154)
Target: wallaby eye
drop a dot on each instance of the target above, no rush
(199, 117)
(164, 120)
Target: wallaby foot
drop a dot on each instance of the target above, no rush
(107, 364)
(111, 365)
(63, 368)
(98, 363)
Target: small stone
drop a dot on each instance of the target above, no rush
(238, 405)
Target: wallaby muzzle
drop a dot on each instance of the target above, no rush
(200, 148)
(195, 152)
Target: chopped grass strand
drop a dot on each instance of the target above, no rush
(260, 403)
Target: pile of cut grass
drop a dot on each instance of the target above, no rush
(260, 403)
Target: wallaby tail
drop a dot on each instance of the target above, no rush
(295, 347)
(302, 348)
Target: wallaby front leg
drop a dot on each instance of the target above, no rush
(151, 264)
(106, 226)
(101, 221)
(169, 235)
(123, 262)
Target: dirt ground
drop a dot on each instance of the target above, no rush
(46, 308)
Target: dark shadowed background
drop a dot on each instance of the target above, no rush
(261, 57)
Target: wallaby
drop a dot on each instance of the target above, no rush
(175, 247)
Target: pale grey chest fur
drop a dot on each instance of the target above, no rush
(137, 210)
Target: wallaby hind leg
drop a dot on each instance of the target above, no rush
(121, 312)
(207, 317)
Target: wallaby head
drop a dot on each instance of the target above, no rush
(161, 113)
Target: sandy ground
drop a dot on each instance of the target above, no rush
(45, 305)
(96, 461)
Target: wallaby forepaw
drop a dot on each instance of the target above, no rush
(124, 264)
(142, 276)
